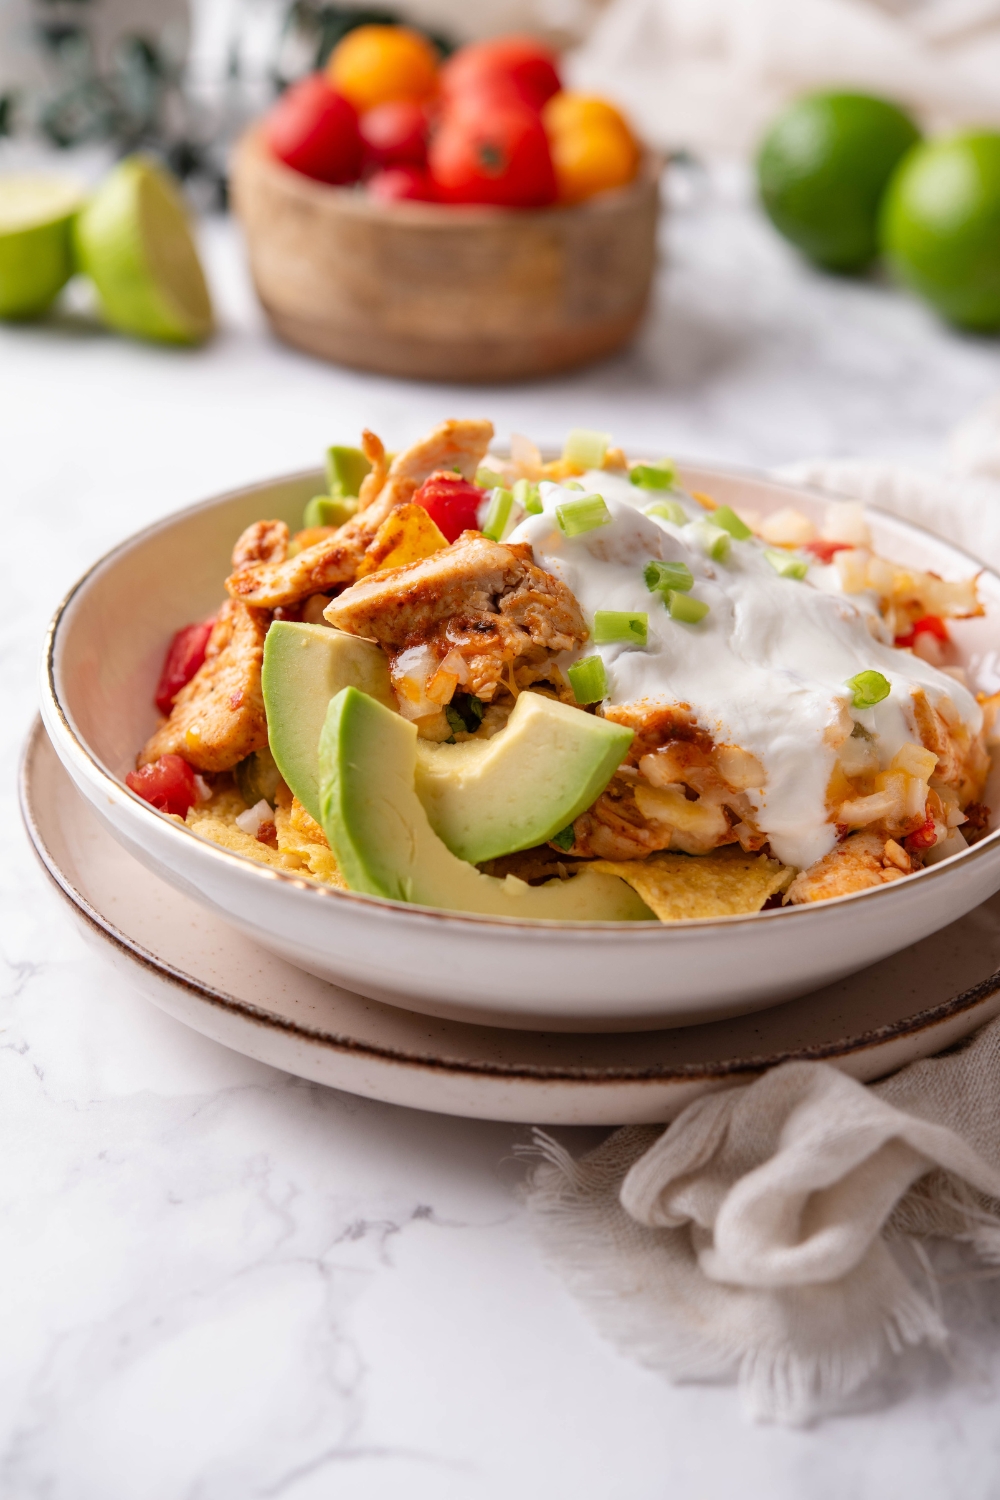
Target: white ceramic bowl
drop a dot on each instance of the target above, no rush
(102, 658)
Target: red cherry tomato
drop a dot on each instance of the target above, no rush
(315, 130)
(167, 784)
(520, 61)
(824, 551)
(929, 625)
(185, 655)
(395, 135)
(451, 502)
(492, 150)
(395, 183)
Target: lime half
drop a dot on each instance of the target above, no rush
(36, 248)
(134, 241)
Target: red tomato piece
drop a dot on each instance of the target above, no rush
(394, 183)
(185, 655)
(314, 130)
(524, 64)
(451, 502)
(823, 550)
(924, 837)
(928, 625)
(492, 150)
(168, 784)
(395, 134)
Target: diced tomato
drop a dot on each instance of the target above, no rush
(526, 66)
(492, 149)
(394, 184)
(451, 502)
(168, 784)
(924, 837)
(185, 655)
(314, 129)
(395, 134)
(928, 625)
(823, 550)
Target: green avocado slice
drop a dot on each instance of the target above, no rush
(379, 831)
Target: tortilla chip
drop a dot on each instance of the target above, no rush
(301, 849)
(678, 887)
(406, 535)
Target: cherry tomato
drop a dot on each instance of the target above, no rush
(924, 837)
(928, 625)
(392, 184)
(521, 62)
(375, 64)
(314, 130)
(492, 150)
(451, 502)
(395, 134)
(185, 655)
(823, 550)
(168, 784)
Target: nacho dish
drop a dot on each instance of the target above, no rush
(569, 690)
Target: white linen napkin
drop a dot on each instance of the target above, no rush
(773, 1231)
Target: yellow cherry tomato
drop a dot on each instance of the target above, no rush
(591, 161)
(375, 65)
(568, 111)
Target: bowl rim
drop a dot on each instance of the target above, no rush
(643, 931)
(347, 198)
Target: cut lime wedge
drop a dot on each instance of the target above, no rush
(36, 250)
(134, 241)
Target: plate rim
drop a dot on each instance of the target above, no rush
(587, 1076)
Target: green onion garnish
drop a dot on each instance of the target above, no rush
(489, 479)
(498, 514)
(617, 625)
(585, 448)
(668, 510)
(666, 577)
(579, 516)
(529, 496)
(662, 476)
(565, 838)
(588, 680)
(714, 542)
(869, 688)
(727, 518)
(684, 607)
(787, 566)
(572, 484)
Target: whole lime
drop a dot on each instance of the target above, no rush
(822, 169)
(941, 226)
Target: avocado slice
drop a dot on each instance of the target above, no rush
(490, 797)
(345, 470)
(384, 844)
(304, 666)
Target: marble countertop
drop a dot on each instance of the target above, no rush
(222, 1283)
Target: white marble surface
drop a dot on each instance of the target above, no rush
(220, 1283)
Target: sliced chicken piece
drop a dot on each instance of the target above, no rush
(854, 865)
(218, 718)
(486, 600)
(263, 542)
(614, 828)
(334, 561)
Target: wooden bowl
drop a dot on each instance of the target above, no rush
(445, 293)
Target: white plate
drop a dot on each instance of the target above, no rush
(105, 647)
(199, 969)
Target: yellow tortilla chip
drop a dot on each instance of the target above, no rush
(678, 887)
(302, 843)
(301, 849)
(406, 535)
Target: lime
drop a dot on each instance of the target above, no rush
(36, 248)
(941, 226)
(134, 240)
(822, 169)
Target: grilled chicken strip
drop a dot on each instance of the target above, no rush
(855, 865)
(334, 561)
(487, 600)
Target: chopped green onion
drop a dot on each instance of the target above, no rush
(565, 838)
(501, 505)
(662, 476)
(617, 625)
(714, 542)
(665, 577)
(786, 565)
(684, 607)
(727, 518)
(572, 484)
(869, 688)
(588, 680)
(328, 510)
(464, 713)
(668, 510)
(585, 448)
(529, 496)
(578, 516)
(489, 479)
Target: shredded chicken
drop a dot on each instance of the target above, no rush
(486, 600)
(862, 861)
(334, 561)
(218, 718)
